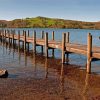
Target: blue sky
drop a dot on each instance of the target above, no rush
(85, 10)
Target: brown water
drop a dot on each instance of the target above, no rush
(34, 77)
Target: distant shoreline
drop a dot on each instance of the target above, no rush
(44, 22)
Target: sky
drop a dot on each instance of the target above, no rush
(82, 10)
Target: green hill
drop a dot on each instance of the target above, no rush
(44, 22)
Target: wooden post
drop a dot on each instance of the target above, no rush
(14, 35)
(53, 35)
(18, 40)
(34, 42)
(5, 35)
(46, 44)
(25, 40)
(63, 47)
(28, 34)
(42, 36)
(89, 52)
(8, 37)
(67, 41)
(13, 38)
(53, 40)
(67, 37)
(28, 43)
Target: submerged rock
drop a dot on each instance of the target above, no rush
(3, 73)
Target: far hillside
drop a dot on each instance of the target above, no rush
(44, 22)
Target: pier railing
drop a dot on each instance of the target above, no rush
(65, 46)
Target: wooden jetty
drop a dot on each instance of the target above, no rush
(65, 46)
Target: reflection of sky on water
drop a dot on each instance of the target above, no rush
(76, 36)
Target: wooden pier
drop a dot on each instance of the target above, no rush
(65, 46)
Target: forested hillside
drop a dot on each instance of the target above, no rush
(44, 22)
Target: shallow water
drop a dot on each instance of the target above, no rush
(36, 77)
(76, 36)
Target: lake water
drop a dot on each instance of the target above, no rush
(76, 36)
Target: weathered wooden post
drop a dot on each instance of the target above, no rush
(34, 42)
(14, 32)
(13, 38)
(42, 36)
(63, 46)
(8, 37)
(18, 40)
(89, 52)
(67, 41)
(67, 37)
(53, 35)
(25, 41)
(53, 40)
(46, 44)
(28, 34)
(3, 35)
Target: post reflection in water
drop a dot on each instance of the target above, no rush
(62, 79)
(46, 68)
(85, 90)
(19, 57)
(34, 63)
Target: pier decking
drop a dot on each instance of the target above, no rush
(65, 46)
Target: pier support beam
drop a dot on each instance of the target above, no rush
(18, 40)
(28, 34)
(42, 36)
(5, 36)
(24, 40)
(46, 44)
(53, 40)
(67, 42)
(63, 46)
(13, 39)
(89, 52)
(34, 42)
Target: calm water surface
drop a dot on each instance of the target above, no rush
(76, 36)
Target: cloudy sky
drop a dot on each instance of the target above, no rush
(85, 10)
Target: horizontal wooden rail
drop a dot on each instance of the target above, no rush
(65, 46)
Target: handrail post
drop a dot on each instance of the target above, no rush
(89, 52)
(67, 37)
(67, 41)
(25, 40)
(42, 36)
(53, 40)
(28, 34)
(46, 44)
(18, 39)
(63, 46)
(53, 35)
(34, 42)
